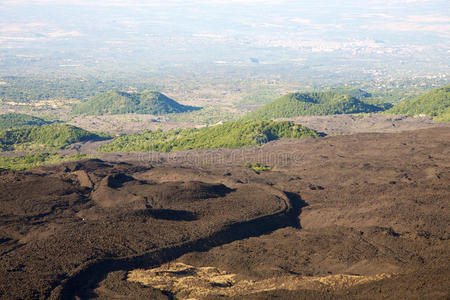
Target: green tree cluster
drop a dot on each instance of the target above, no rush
(229, 135)
(45, 137)
(14, 120)
(312, 104)
(435, 104)
(352, 91)
(117, 102)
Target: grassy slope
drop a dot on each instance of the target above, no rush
(228, 135)
(435, 103)
(115, 102)
(310, 104)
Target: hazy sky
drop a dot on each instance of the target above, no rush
(326, 19)
(224, 28)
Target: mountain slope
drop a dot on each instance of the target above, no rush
(363, 96)
(312, 104)
(435, 103)
(116, 102)
(352, 91)
(45, 137)
(14, 120)
(228, 135)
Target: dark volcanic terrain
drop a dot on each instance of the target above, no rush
(357, 216)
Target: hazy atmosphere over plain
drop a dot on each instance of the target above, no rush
(146, 35)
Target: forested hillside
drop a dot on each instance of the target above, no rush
(312, 104)
(435, 103)
(45, 137)
(14, 120)
(351, 91)
(228, 135)
(117, 102)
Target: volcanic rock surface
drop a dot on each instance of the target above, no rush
(360, 216)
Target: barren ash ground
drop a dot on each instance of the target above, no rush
(352, 216)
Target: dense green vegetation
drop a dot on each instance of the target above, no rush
(312, 104)
(116, 102)
(45, 137)
(228, 135)
(24, 162)
(363, 96)
(13, 120)
(444, 117)
(435, 103)
(354, 92)
(396, 90)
